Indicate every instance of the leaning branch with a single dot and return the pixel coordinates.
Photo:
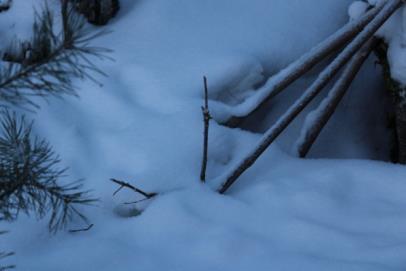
(310, 93)
(319, 117)
(295, 70)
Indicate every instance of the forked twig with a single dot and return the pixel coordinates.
(131, 187)
(324, 77)
(81, 230)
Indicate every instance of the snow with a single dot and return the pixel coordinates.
(394, 33)
(145, 126)
(357, 9)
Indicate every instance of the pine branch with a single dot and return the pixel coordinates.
(48, 64)
(29, 175)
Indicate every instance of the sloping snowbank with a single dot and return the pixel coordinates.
(145, 126)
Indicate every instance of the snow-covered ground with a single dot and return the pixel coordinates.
(145, 126)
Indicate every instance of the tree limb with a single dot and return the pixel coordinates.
(328, 106)
(133, 188)
(390, 7)
(288, 75)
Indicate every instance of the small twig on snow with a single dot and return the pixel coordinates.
(206, 120)
(137, 201)
(131, 187)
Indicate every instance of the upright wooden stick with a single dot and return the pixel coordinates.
(206, 120)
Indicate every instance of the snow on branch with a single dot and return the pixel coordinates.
(29, 179)
(322, 80)
(317, 119)
(287, 76)
(47, 64)
(133, 188)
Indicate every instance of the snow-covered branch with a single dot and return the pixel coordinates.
(322, 80)
(287, 76)
(317, 119)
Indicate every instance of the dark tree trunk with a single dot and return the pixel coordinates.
(98, 12)
(401, 127)
(398, 95)
(5, 5)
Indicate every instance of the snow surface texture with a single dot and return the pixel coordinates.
(145, 126)
(394, 33)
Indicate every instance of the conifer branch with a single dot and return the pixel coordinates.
(29, 175)
(48, 64)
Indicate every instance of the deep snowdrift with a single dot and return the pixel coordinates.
(145, 126)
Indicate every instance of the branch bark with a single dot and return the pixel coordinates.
(287, 76)
(327, 107)
(133, 188)
(390, 7)
(206, 120)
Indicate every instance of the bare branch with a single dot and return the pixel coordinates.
(327, 107)
(310, 93)
(133, 188)
(206, 120)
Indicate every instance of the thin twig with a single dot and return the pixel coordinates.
(133, 188)
(310, 93)
(327, 107)
(137, 201)
(206, 120)
(81, 230)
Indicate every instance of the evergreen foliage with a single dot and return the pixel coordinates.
(46, 65)
(29, 174)
(5, 255)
